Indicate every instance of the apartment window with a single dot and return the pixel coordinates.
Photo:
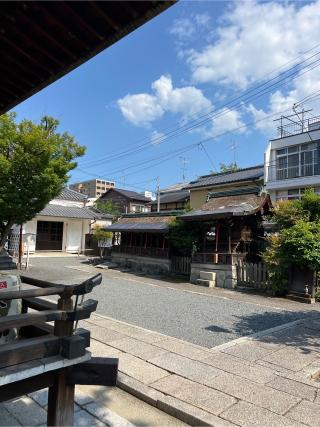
(293, 193)
(298, 161)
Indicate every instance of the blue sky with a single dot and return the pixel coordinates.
(178, 73)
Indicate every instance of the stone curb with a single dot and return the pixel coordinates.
(183, 411)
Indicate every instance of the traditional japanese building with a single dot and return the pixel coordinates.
(140, 241)
(232, 232)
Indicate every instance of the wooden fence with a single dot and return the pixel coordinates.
(181, 265)
(252, 275)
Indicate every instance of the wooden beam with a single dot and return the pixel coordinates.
(18, 320)
(60, 401)
(29, 293)
(29, 349)
(97, 371)
(114, 25)
(81, 21)
(39, 304)
(28, 385)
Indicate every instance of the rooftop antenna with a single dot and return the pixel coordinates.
(184, 162)
(233, 147)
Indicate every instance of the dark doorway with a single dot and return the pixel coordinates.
(49, 236)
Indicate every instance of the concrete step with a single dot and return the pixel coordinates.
(208, 283)
(208, 275)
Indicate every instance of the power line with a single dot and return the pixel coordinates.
(222, 110)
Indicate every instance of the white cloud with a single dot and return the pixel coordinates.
(142, 109)
(280, 102)
(254, 39)
(184, 28)
(227, 120)
(156, 137)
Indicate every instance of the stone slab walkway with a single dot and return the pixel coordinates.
(269, 379)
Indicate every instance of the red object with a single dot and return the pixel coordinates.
(3, 285)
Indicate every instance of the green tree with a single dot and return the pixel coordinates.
(101, 236)
(108, 207)
(229, 167)
(183, 237)
(35, 160)
(297, 238)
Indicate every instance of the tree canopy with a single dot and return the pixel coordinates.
(296, 240)
(35, 160)
(229, 167)
(108, 207)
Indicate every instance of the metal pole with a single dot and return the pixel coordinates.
(158, 195)
(20, 248)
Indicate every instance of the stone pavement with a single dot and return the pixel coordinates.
(269, 379)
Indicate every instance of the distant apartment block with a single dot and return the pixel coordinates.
(292, 161)
(93, 187)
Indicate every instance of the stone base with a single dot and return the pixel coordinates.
(6, 262)
(205, 282)
(139, 264)
(226, 275)
(301, 298)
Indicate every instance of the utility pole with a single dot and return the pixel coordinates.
(158, 194)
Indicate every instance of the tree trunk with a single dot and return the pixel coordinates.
(4, 234)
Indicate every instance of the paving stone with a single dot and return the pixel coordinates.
(278, 370)
(240, 367)
(27, 411)
(100, 349)
(139, 369)
(105, 335)
(7, 419)
(196, 394)
(190, 414)
(83, 418)
(137, 348)
(106, 416)
(294, 388)
(306, 412)
(247, 415)
(291, 358)
(81, 397)
(40, 396)
(138, 389)
(257, 394)
(184, 349)
(249, 351)
(187, 368)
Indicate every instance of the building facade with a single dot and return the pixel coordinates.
(292, 161)
(92, 188)
(127, 201)
(244, 180)
(61, 226)
(172, 200)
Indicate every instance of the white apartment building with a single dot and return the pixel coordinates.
(292, 161)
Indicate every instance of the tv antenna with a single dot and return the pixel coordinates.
(184, 163)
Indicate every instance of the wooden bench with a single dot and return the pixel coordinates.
(51, 355)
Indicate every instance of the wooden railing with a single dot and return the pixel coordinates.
(141, 251)
(217, 257)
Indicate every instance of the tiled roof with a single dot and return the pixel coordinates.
(173, 187)
(69, 212)
(245, 204)
(133, 195)
(154, 223)
(247, 174)
(68, 194)
(173, 196)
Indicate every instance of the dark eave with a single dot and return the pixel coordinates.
(40, 41)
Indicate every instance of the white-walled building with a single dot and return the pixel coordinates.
(292, 161)
(62, 225)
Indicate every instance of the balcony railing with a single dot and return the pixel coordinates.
(297, 127)
(142, 251)
(225, 258)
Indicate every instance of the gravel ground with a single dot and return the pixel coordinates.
(203, 319)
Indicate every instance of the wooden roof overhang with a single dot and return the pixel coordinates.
(40, 41)
(242, 209)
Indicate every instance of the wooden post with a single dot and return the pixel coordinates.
(216, 256)
(61, 394)
(20, 247)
